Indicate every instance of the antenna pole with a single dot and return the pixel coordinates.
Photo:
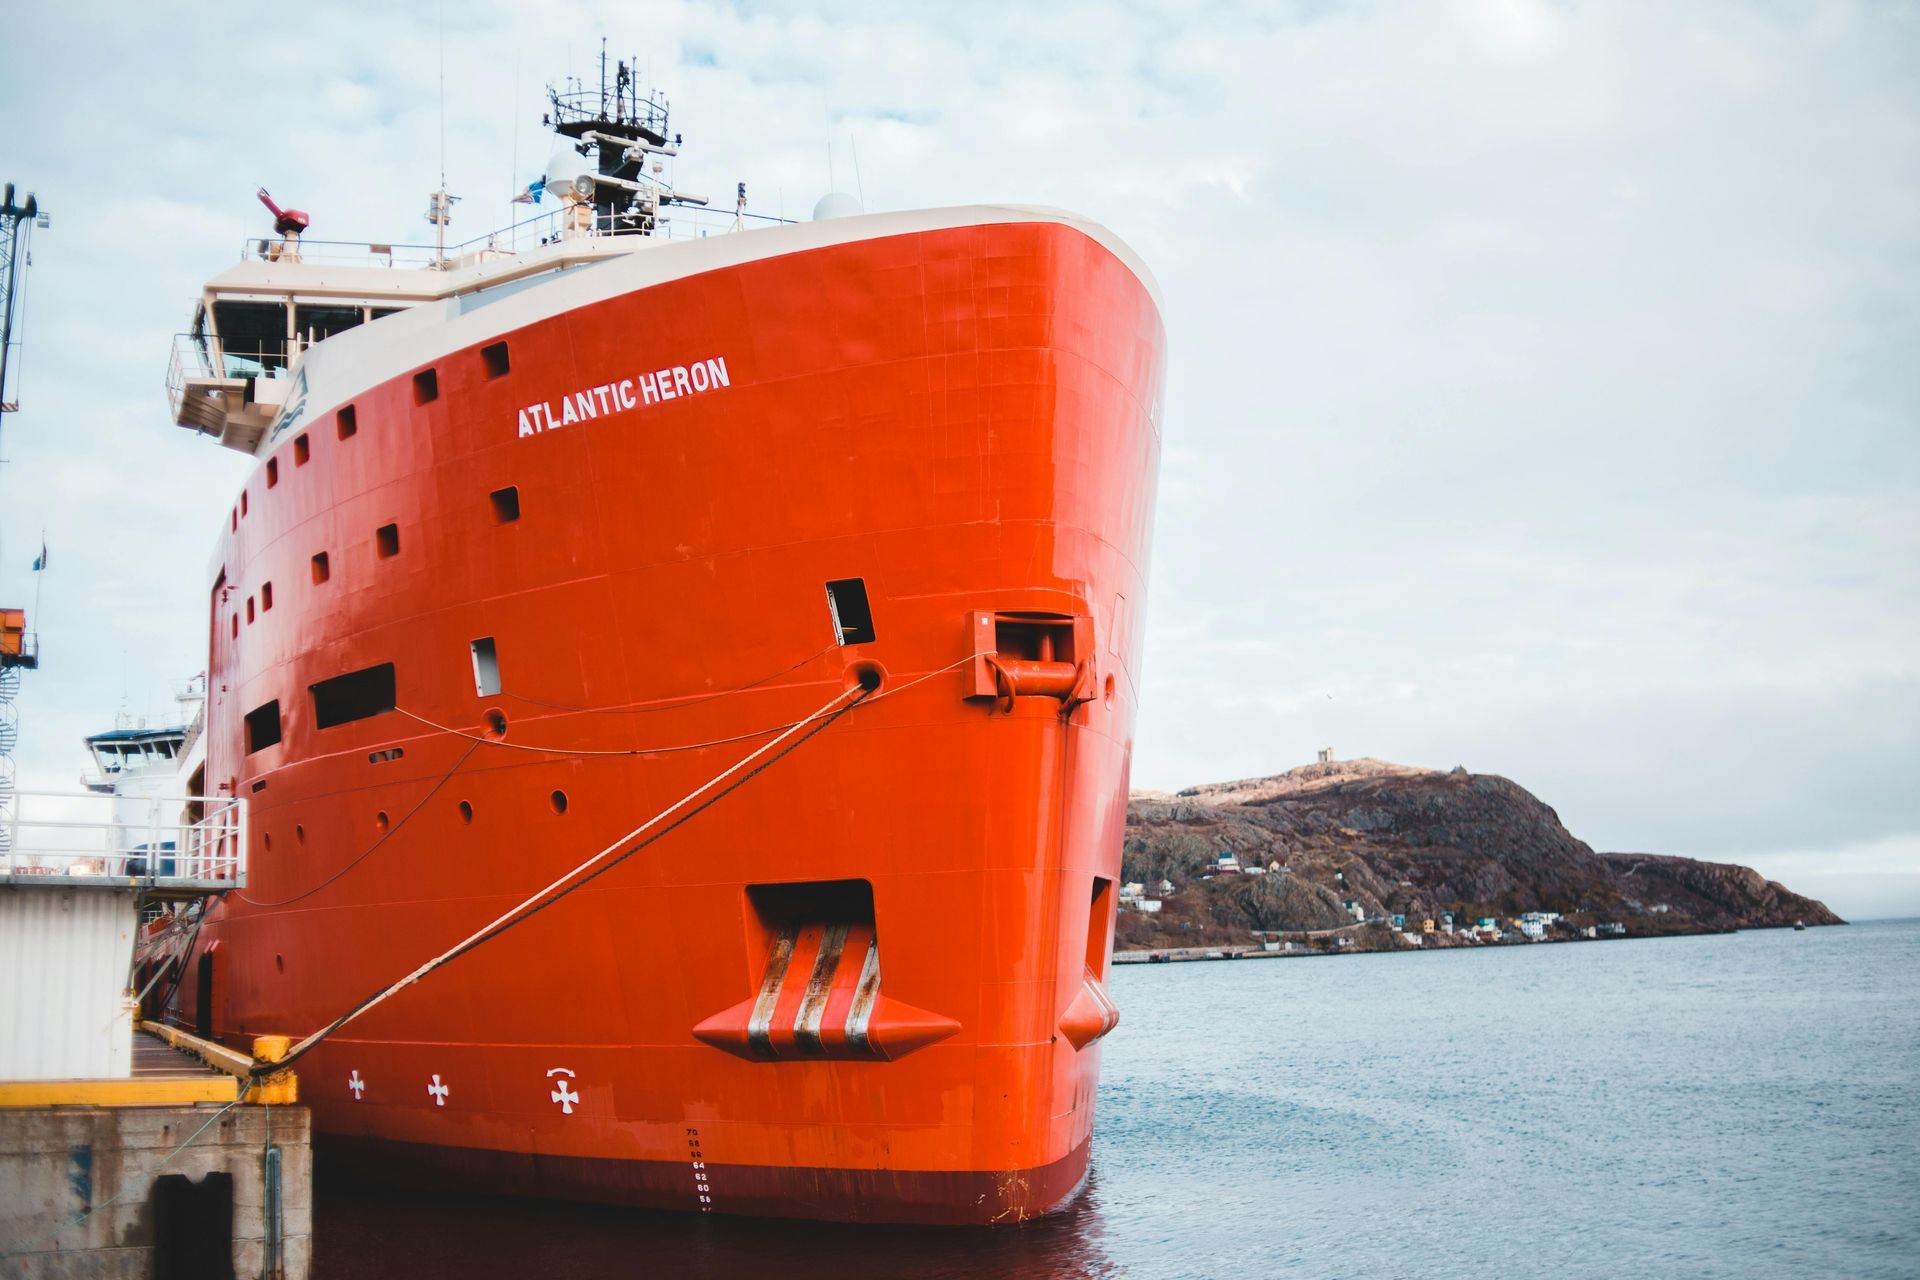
(440, 204)
(16, 227)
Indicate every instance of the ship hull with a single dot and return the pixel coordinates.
(938, 1197)
(869, 984)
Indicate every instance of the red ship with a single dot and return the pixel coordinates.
(540, 543)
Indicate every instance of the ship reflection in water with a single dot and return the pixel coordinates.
(368, 1233)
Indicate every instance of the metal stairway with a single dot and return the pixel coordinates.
(9, 738)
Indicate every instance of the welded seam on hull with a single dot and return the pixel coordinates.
(760, 1025)
(860, 1015)
(813, 1006)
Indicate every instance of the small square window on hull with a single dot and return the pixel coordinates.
(486, 667)
(847, 608)
(263, 726)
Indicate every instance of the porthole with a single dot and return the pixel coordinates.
(559, 801)
(380, 822)
(466, 811)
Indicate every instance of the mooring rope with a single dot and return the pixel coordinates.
(748, 736)
(366, 853)
(599, 864)
(672, 704)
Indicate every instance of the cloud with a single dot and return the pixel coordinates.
(1541, 375)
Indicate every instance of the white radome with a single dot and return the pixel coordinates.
(836, 204)
(564, 169)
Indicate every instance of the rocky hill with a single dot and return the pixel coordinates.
(1390, 839)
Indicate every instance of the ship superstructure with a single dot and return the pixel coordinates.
(542, 542)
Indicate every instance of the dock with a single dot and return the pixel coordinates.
(1179, 955)
(129, 1148)
(181, 1168)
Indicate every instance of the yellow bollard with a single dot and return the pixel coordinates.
(282, 1088)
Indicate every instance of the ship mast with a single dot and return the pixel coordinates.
(625, 136)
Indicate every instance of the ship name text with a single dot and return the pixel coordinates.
(610, 398)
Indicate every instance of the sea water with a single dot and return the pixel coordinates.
(1739, 1105)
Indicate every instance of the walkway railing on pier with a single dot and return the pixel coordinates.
(165, 844)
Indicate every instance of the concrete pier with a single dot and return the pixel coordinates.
(59, 1164)
(160, 1173)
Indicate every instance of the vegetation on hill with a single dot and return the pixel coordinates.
(1394, 840)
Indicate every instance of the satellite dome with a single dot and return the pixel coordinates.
(836, 204)
(564, 169)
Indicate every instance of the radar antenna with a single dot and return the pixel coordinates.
(619, 130)
(288, 223)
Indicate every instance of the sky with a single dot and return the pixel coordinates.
(1543, 393)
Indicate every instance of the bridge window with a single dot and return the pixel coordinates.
(354, 696)
(253, 337)
(314, 324)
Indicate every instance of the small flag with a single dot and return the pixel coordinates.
(41, 562)
(530, 196)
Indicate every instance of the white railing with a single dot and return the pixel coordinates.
(156, 842)
(676, 222)
(189, 360)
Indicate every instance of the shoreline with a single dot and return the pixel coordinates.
(1302, 950)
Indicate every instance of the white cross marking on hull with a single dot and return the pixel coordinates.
(566, 1098)
(439, 1091)
(355, 1083)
